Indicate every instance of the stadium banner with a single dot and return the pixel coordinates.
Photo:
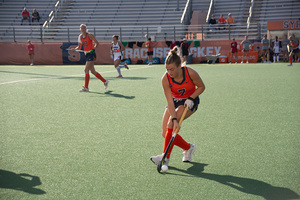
(56, 53)
(283, 25)
(17, 54)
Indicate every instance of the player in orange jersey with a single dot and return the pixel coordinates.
(182, 86)
(149, 45)
(294, 50)
(89, 44)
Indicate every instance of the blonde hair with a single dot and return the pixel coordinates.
(173, 57)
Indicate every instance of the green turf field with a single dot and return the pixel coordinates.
(57, 143)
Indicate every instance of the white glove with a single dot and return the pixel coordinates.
(189, 103)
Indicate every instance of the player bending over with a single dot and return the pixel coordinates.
(182, 86)
(89, 44)
(117, 50)
(294, 50)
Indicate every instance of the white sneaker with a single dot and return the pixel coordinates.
(290, 64)
(242, 62)
(156, 159)
(84, 90)
(106, 84)
(247, 62)
(229, 62)
(187, 155)
(235, 62)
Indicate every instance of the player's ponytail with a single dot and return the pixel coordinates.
(173, 57)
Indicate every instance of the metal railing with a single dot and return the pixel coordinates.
(52, 15)
(250, 14)
(210, 10)
(131, 33)
(187, 13)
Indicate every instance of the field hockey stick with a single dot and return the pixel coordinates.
(171, 141)
(78, 50)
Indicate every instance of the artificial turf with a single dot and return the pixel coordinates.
(57, 143)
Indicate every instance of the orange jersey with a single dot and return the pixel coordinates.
(294, 45)
(184, 89)
(149, 45)
(86, 42)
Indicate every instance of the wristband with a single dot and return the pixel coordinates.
(190, 98)
(174, 119)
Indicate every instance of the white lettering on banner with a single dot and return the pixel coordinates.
(163, 52)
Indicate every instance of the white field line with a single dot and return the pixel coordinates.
(58, 77)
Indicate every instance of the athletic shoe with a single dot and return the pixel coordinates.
(84, 90)
(235, 62)
(290, 64)
(242, 62)
(126, 66)
(247, 62)
(106, 84)
(229, 62)
(156, 159)
(187, 155)
(120, 76)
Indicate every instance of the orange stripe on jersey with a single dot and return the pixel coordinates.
(294, 45)
(184, 89)
(86, 42)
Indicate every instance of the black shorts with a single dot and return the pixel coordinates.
(295, 50)
(150, 53)
(185, 53)
(179, 102)
(90, 56)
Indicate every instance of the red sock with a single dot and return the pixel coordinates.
(291, 60)
(179, 141)
(86, 80)
(100, 77)
(167, 140)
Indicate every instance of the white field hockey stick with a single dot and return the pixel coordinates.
(78, 50)
(171, 141)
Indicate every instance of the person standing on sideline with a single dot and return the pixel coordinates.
(233, 50)
(89, 44)
(149, 45)
(276, 50)
(30, 48)
(184, 46)
(117, 49)
(246, 44)
(265, 48)
(25, 16)
(284, 49)
(182, 86)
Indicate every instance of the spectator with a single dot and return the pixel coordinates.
(222, 22)
(285, 41)
(35, 16)
(30, 49)
(234, 50)
(184, 46)
(246, 44)
(25, 16)
(265, 48)
(230, 19)
(212, 23)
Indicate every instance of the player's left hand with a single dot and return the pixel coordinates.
(189, 103)
(92, 51)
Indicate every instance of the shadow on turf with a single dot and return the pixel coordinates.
(114, 95)
(246, 185)
(23, 182)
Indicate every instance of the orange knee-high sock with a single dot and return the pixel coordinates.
(100, 77)
(291, 60)
(86, 80)
(167, 140)
(179, 141)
